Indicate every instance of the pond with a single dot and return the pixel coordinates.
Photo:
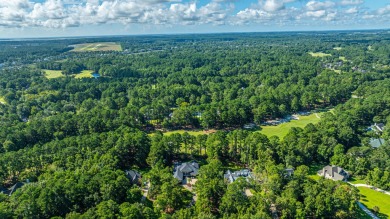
(96, 75)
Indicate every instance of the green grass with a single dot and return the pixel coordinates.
(282, 129)
(100, 46)
(85, 74)
(195, 133)
(338, 48)
(342, 58)
(313, 169)
(356, 181)
(319, 54)
(337, 71)
(371, 198)
(50, 74)
(2, 100)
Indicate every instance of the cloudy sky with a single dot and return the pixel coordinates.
(39, 18)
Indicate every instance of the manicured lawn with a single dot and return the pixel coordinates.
(85, 74)
(356, 181)
(313, 169)
(93, 47)
(50, 74)
(282, 129)
(371, 198)
(2, 101)
(319, 54)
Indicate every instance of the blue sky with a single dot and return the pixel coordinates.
(44, 18)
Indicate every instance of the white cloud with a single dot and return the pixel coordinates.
(384, 10)
(317, 5)
(351, 2)
(316, 14)
(353, 10)
(70, 13)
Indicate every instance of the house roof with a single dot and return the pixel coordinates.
(376, 142)
(233, 176)
(12, 189)
(185, 169)
(335, 172)
(133, 175)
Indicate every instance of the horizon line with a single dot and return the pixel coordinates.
(194, 33)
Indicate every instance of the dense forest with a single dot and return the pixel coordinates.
(71, 140)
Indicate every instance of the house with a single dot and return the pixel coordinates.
(183, 170)
(289, 172)
(379, 126)
(233, 176)
(334, 172)
(376, 142)
(13, 189)
(133, 176)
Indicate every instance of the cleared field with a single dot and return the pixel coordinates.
(195, 133)
(2, 101)
(85, 74)
(319, 54)
(338, 48)
(93, 47)
(50, 74)
(282, 129)
(371, 198)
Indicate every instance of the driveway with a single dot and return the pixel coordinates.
(367, 211)
(371, 187)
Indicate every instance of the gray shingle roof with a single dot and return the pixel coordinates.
(133, 176)
(376, 142)
(180, 171)
(233, 176)
(333, 172)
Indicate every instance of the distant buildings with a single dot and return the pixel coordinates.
(334, 172)
(182, 171)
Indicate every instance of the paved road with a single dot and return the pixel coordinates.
(367, 211)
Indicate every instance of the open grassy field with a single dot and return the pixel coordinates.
(282, 129)
(195, 133)
(319, 54)
(371, 198)
(50, 74)
(2, 101)
(85, 74)
(93, 47)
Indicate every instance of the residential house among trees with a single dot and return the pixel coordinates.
(182, 171)
(233, 176)
(133, 176)
(334, 172)
(376, 142)
(13, 189)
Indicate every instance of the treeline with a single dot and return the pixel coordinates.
(73, 139)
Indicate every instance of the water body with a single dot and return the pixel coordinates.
(96, 75)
